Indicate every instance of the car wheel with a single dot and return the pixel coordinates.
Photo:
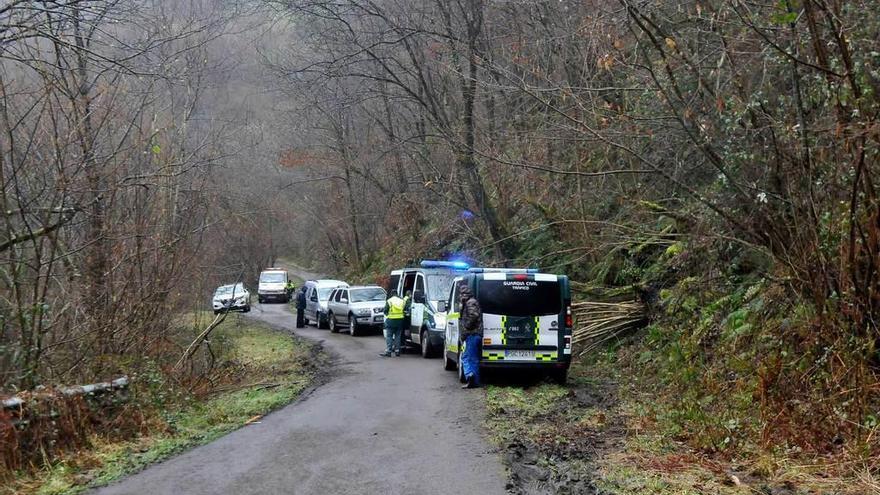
(425, 342)
(334, 325)
(247, 309)
(216, 311)
(352, 326)
(322, 321)
(260, 300)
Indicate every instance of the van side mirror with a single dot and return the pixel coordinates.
(344, 300)
(419, 297)
(441, 306)
(314, 297)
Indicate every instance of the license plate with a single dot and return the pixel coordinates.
(378, 319)
(519, 354)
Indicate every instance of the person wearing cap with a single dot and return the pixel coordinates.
(471, 324)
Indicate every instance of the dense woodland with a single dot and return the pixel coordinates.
(717, 158)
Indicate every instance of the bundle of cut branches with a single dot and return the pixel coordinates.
(601, 322)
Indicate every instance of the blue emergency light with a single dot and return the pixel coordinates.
(455, 265)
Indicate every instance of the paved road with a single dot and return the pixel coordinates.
(381, 425)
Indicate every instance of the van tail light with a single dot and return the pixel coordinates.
(569, 321)
(568, 341)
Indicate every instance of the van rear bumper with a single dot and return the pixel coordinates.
(537, 365)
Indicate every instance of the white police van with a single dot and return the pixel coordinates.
(429, 283)
(527, 320)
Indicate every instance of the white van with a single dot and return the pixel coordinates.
(317, 297)
(527, 320)
(273, 285)
(429, 283)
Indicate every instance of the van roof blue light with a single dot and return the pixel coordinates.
(455, 265)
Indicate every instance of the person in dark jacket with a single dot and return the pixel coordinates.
(301, 307)
(471, 324)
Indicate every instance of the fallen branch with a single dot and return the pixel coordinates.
(91, 389)
(201, 338)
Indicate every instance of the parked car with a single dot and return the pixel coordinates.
(317, 296)
(233, 297)
(273, 285)
(357, 307)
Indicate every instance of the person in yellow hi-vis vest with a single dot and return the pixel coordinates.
(394, 315)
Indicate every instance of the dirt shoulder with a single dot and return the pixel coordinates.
(594, 436)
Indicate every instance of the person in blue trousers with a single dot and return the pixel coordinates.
(471, 324)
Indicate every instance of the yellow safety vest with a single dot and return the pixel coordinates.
(395, 308)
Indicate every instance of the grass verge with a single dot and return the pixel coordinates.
(263, 369)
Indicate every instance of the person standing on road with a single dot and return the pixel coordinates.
(393, 325)
(301, 307)
(289, 287)
(471, 324)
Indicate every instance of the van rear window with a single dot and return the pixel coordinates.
(520, 297)
(272, 277)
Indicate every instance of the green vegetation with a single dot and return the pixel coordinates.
(264, 369)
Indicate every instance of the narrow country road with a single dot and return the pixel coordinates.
(381, 425)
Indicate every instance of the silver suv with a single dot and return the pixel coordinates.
(357, 307)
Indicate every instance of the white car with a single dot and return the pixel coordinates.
(233, 297)
(357, 308)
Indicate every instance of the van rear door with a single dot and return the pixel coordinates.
(522, 316)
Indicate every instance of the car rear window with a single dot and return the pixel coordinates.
(371, 294)
(520, 297)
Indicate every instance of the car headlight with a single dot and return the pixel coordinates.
(363, 312)
(378, 310)
(241, 299)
